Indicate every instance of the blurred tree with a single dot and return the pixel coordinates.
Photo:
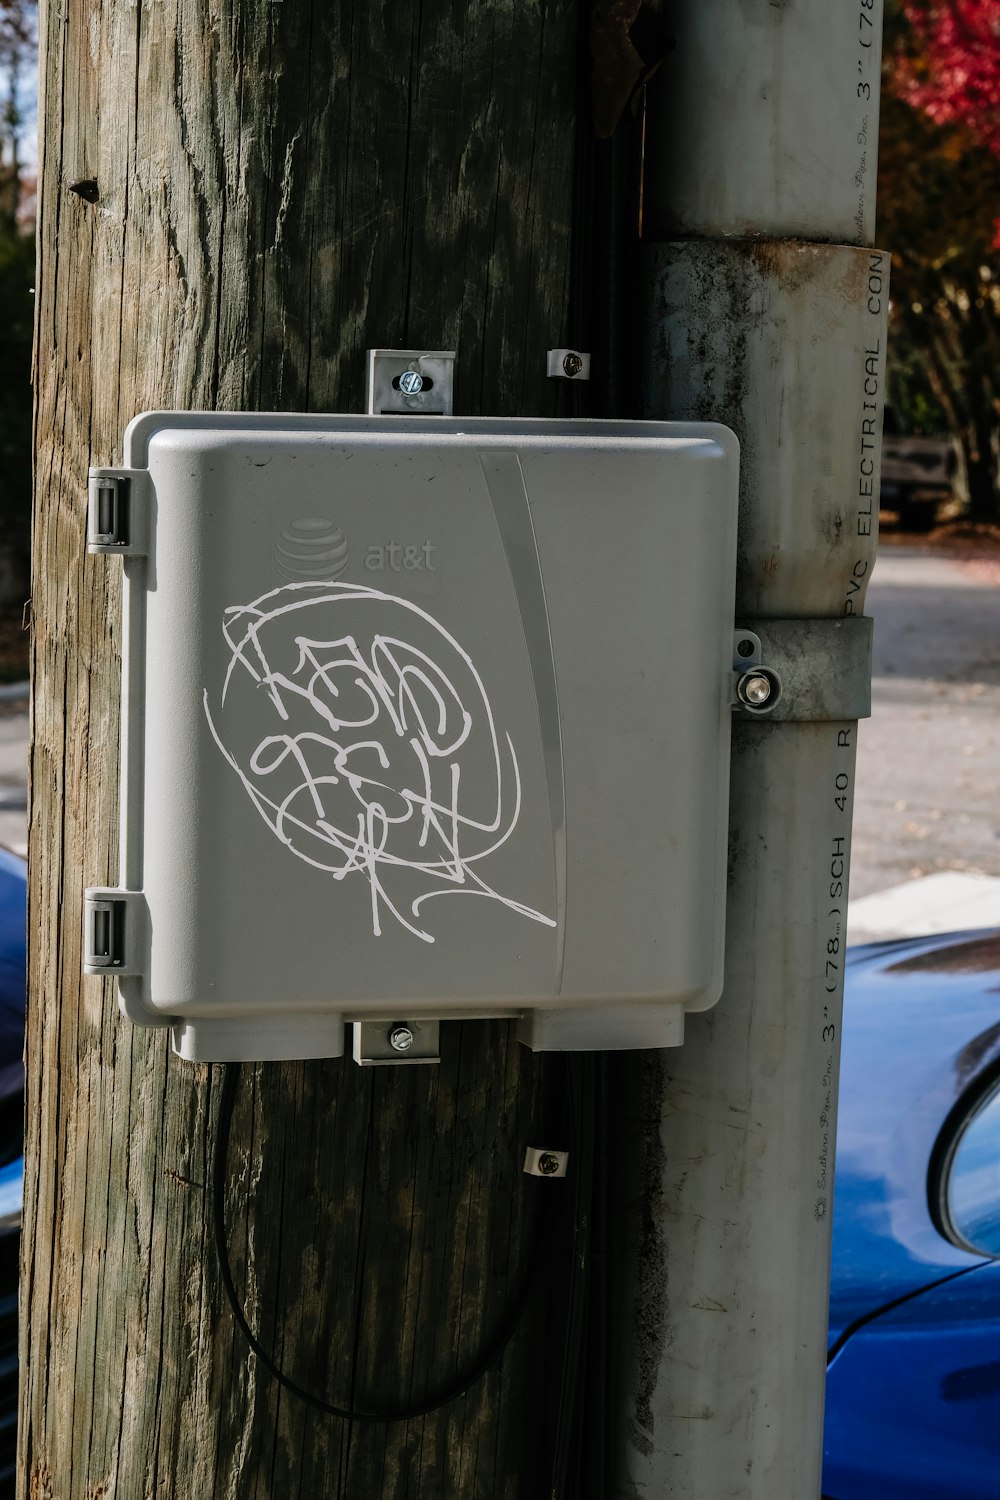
(18, 62)
(953, 71)
(939, 193)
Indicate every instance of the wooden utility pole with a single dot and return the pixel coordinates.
(237, 199)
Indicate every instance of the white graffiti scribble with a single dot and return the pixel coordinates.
(381, 754)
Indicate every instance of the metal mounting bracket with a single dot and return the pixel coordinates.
(386, 1044)
(824, 668)
(410, 382)
(541, 1162)
(756, 685)
(567, 364)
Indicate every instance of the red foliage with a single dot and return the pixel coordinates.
(953, 72)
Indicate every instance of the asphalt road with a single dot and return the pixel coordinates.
(926, 797)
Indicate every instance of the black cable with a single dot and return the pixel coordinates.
(598, 1485)
(579, 309)
(443, 1397)
(567, 1436)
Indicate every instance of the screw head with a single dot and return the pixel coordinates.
(401, 1038)
(755, 689)
(548, 1163)
(411, 383)
(572, 364)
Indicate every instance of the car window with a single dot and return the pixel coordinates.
(971, 1186)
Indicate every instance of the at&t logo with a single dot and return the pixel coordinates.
(396, 557)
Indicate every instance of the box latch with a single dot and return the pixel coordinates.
(110, 929)
(117, 512)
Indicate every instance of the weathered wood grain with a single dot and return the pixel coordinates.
(280, 186)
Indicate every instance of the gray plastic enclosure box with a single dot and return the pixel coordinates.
(423, 718)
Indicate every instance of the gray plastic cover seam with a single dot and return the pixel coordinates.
(825, 667)
(512, 512)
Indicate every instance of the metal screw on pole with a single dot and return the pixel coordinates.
(401, 1038)
(572, 364)
(548, 1163)
(754, 689)
(411, 384)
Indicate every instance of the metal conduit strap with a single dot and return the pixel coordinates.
(825, 667)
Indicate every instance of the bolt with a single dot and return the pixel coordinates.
(411, 384)
(745, 648)
(401, 1038)
(572, 364)
(755, 689)
(548, 1163)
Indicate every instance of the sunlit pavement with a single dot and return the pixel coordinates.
(13, 767)
(926, 855)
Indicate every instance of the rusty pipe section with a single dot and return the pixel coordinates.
(722, 1377)
(785, 341)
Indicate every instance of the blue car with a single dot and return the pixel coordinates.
(913, 1384)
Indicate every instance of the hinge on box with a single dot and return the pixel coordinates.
(109, 923)
(117, 512)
